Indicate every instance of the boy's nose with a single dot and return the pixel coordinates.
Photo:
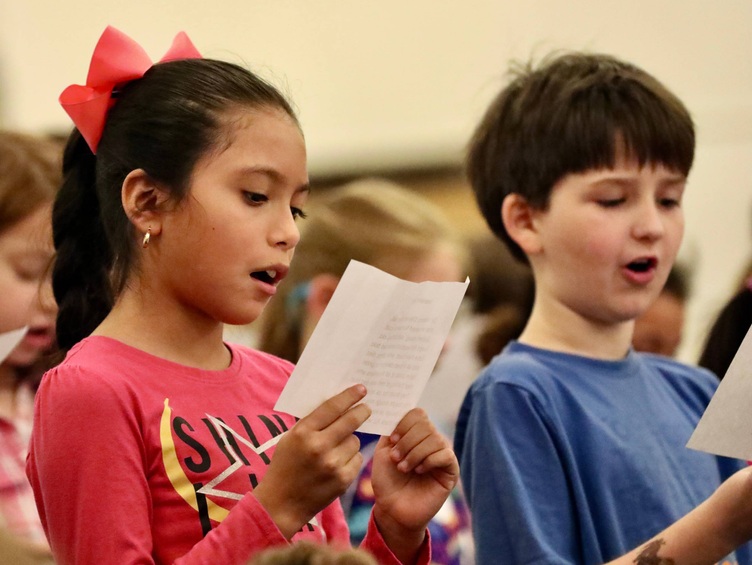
(648, 222)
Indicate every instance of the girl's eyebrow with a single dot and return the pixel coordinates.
(273, 174)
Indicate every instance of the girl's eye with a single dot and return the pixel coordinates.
(298, 213)
(255, 198)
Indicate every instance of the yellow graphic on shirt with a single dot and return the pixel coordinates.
(175, 473)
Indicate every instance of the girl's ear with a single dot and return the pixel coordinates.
(519, 220)
(320, 293)
(143, 201)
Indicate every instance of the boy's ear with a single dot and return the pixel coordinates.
(320, 293)
(518, 217)
(143, 201)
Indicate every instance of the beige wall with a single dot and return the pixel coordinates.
(399, 84)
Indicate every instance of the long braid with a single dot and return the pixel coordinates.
(80, 276)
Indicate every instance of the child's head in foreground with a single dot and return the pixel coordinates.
(304, 553)
(579, 166)
(181, 123)
(570, 114)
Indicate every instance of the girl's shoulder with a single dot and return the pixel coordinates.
(101, 367)
(93, 364)
(259, 359)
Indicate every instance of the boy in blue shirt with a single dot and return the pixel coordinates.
(572, 445)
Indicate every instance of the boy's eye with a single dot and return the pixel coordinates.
(669, 202)
(611, 202)
(298, 213)
(255, 197)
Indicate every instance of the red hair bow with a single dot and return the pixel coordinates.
(117, 59)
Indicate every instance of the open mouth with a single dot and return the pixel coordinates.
(642, 265)
(268, 277)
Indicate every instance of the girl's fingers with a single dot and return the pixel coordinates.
(408, 421)
(408, 457)
(347, 423)
(407, 442)
(333, 408)
(348, 449)
(443, 461)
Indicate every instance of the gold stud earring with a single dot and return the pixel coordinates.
(147, 238)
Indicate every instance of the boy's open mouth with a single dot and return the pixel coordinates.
(642, 265)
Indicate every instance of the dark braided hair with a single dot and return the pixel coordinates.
(161, 123)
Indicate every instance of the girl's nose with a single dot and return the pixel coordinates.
(286, 233)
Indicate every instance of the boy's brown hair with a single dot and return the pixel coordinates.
(572, 113)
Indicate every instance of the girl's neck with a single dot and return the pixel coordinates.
(167, 331)
(554, 327)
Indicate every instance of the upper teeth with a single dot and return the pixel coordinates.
(272, 274)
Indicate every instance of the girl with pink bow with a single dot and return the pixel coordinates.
(154, 441)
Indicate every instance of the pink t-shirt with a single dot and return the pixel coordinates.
(136, 459)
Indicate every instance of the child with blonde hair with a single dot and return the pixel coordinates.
(29, 178)
(383, 224)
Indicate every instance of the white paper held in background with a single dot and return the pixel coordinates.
(380, 331)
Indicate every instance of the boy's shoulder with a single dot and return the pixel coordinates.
(681, 375)
(527, 367)
(542, 371)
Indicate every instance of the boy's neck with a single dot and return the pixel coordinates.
(559, 329)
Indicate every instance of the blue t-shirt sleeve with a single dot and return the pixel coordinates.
(514, 480)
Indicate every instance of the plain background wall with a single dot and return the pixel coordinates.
(400, 84)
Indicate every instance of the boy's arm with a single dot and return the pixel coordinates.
(707, 534)
(510, 469)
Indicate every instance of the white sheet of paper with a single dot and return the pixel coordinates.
(380, 331)
(726, 426)
(9, 340)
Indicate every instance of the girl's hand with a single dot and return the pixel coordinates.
(314, 462)
(414, 470)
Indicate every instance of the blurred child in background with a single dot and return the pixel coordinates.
(382, 224)
(727, 332)
(659, 329)
(29, 178)
(499, 297)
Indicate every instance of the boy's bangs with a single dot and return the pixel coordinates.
(642, 128)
